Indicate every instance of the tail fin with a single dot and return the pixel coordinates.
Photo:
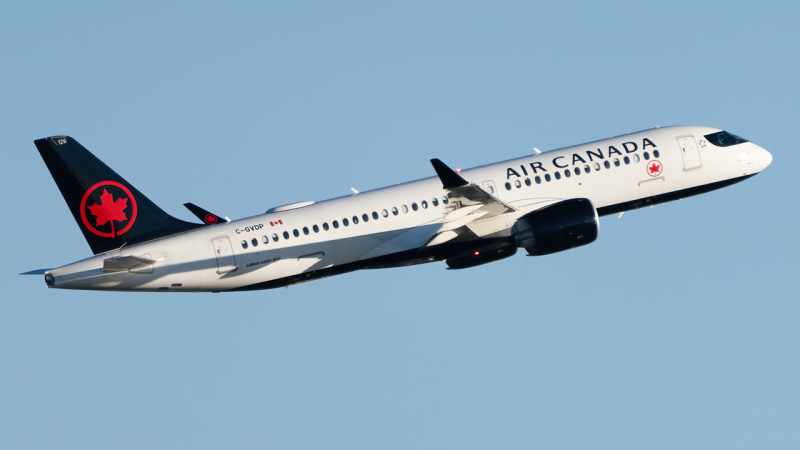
(110, 211)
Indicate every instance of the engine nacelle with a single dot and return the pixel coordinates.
(558, 227)
(481, 256)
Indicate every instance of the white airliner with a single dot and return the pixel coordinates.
(545, 203)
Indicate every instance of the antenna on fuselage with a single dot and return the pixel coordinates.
(538, 152)
(354, 191)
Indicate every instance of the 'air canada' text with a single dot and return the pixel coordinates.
(562, 162)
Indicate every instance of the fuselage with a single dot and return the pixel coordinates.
(396, 225)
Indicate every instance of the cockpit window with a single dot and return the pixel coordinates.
(724, 139)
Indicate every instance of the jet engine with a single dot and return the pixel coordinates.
(484, 255)
(557, 227)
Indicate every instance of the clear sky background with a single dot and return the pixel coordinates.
(678, 328)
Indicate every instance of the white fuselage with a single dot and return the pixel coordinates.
(256, 251)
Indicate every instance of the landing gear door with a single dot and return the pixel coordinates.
(226, 261)
(690, 153)
(489, 187)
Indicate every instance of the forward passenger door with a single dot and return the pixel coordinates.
(690, 153)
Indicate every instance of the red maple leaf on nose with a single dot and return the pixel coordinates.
(108, 209)
(654, 168)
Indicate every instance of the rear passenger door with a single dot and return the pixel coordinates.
(226, 261)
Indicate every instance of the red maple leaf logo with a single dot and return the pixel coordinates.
(109, 210)
(654, 168)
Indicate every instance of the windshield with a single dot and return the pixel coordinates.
(724, 139)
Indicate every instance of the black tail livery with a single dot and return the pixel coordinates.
(110, 211)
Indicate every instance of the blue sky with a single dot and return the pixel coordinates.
(676, 329)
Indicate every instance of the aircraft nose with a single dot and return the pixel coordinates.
(763, 158)
(754, 157)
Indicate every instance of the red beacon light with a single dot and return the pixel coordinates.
(458, 170)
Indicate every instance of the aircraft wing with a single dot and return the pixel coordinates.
(468, 203)
(208, 218)
(465, 194)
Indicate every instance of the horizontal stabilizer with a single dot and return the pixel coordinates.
(208, 218)
(36, 272)
(128, 263)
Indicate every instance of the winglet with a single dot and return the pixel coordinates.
(208, 218)
(450, 179)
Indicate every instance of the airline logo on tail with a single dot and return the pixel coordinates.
(108, 209)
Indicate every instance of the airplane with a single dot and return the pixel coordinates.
(547, 202)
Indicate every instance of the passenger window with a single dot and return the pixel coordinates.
(325, 226)
(607, 164)
(656, 154)
(491, 189)
(296, 233)
(365, 218)
(275, 237)
(305, 231)
(375, 215)
(244, 244)
(596, 166)
(508, 186)
(566, 173)
(558, 175)
(286, 235)
(445, 200)
(517, 183)
(355, 220)
(335, 224)
(527, 181)
(547, 177)
(254, 241)
(404, 208)
(627, 160)
(385, 213)
(424, 204)
(414, 206)
(345, 222)
(265, 239)
(646, 155)
(315, 228)
(635, 158)
(587, 169)
(577, 171)
(435, 201)
(394, 210)
(616, 162)
(538, 179)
